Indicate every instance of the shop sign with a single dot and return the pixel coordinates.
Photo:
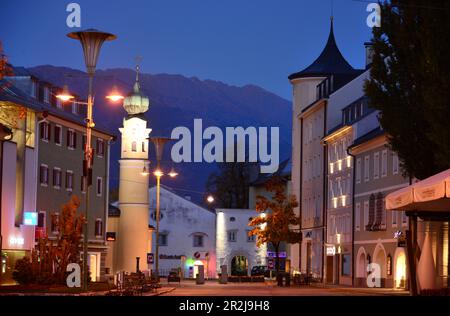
(331, 250)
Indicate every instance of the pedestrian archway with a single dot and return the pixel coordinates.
(379, 257)
(239, 265)
(400, 268)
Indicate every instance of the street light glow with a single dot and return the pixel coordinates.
(210, 199)
(173, 173)
(65, 94)
(158, 173)
(115, 95)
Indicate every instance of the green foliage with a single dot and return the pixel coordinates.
(49, 258)
(410, 82)
(277, 219)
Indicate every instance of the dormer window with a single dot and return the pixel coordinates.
(75, 108)
(34, 88)
(46, 94)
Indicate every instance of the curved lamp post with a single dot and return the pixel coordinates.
(91, 41)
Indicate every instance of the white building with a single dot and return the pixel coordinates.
(234, 248)
(186, 234)
(311, 89)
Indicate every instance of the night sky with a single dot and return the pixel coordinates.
(235, 41)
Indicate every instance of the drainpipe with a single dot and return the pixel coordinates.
(353, 214)
(21, 136)
(325, 191)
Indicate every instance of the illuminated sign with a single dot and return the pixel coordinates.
(30, 218)
(272, 254)
(331, 250)
(16, 241)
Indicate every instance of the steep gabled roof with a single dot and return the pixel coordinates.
(329, 62)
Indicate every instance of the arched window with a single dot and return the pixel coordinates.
(143, 147)
(133, 147)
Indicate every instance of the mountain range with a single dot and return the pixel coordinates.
(176, 100)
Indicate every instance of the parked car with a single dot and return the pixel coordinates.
(259, 270)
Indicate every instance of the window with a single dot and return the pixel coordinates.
(394, 219)
(346, 264)
(366, 168)
(366, 213)
(69, 180)
(143, 147)
(133, 146)
(357, 216)
(99, 186)
(75, 108)
(389, 265)
(198, 240)
(384, 163)
(57, 177)
(232, 219)
(43, 175)
(404, 219)
(250, 238)
(59, 103)
(55, 223)
(163, 239)
(98, 227)
(376, 165)
(45, 131)
(100, 147)
(71, 139)
(33, 88)
(41, 220)
(83, 184)
(232, 236)
(46, 95)
(395, 163)
(58, 135)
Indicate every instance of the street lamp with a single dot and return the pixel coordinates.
(159, 143)
(91, 41)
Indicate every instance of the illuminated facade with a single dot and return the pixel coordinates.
(234, 248)
(187, 237)
(311, 89)
(133, 233)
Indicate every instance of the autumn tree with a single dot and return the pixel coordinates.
(276, 219)
(410, 82)
(49, 259)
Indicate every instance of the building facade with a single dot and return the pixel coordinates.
(311, 89)
(187, 235)
(377, 233)
(234, 247)
(54, 136)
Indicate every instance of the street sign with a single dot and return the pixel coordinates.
(30, 218)
(150, 258)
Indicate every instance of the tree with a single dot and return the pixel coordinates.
(274, 224)
(5, 68)
(230, 184)
(49, 259)
(410, 83)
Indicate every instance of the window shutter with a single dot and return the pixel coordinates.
(68, 138)
(49, 129)
(74, 139)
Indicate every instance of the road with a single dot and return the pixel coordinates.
(213, 288)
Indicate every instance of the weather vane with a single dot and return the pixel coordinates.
(138, 60)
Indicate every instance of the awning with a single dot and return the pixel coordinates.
(431, 194)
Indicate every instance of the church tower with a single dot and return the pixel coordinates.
(133, 238)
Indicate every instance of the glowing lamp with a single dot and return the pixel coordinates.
(115, 95)
(173, 173)
(210, 199)
(158, 173)
(65, 95)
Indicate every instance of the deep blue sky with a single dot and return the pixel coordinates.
(235, 41)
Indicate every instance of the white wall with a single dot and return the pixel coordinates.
(181, 218)
(226, 250)
(343, 97)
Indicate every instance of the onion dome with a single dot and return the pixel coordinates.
(136, 102)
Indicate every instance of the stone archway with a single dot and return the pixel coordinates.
(239, 266)
(400, 268)
(361, 268)
(379, 257)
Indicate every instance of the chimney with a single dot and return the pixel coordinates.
(369, 53)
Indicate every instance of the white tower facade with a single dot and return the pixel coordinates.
(133, 236)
